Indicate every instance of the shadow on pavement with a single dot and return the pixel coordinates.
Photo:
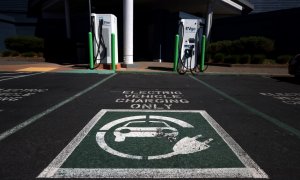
(288, 79)
(80, 66)
(160, 68)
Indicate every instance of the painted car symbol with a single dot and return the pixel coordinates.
(136, 129)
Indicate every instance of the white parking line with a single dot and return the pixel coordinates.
(6, 77)
(49, 110)
(13, 73)
(255, 111)
(16, 77)
(155, 173)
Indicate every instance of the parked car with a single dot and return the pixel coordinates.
(294, 66)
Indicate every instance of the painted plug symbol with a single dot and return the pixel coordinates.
(188, 145)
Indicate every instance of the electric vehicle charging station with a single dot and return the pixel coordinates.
(103, 25)
(190, 34)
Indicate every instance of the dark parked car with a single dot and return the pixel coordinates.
(294, 66)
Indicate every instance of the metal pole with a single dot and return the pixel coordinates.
(67, 19)
(176, 53)
(128, 30)
(209, 18)
(159, 53)
(91, 51)
(90, 12)
(203, 52)
(113, 49)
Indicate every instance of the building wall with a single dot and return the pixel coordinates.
(6, 29)
(14, 5)
(281, 26)
(14, 20)
(273, 5)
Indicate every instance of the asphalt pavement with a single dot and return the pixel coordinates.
(74, 125)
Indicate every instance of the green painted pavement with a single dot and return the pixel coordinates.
(152, 143)
(89, 155)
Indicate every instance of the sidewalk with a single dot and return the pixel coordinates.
(30, 65)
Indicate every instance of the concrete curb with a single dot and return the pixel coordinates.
(250, 65)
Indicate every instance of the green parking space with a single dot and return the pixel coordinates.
(157, 144)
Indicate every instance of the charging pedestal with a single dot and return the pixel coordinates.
(190, 34)
(103, 25)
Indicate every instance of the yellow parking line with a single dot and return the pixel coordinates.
(37, 69)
